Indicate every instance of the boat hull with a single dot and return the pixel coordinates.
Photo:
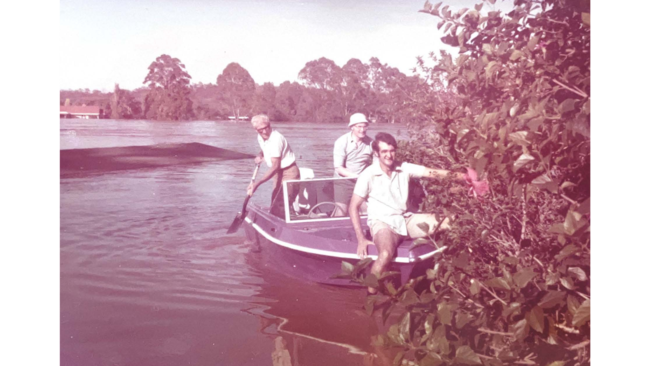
(314, 251)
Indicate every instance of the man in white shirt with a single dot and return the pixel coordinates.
(385, 186)
(352, 154)
(352, 151)
(279, 157)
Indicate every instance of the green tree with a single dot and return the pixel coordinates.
(237, 88)
(354, 87)
(264, 100)
(323, 80)
(287, 99)
(169, 90)
(513, 285)
(123, 105)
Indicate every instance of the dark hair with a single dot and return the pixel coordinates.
(385, 138)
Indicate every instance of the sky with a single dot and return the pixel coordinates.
(103, 42)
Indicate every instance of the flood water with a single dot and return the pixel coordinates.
(149, 276)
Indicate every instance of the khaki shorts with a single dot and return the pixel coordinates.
(412, 225)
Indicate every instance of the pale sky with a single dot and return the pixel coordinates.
(103, 42)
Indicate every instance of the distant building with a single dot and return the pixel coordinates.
(83, 111)
(242, 118)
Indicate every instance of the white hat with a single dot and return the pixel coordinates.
(357, 118)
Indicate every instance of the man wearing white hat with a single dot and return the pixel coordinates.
(353, 151)
(352, 154)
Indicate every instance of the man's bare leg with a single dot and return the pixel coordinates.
(386, 241)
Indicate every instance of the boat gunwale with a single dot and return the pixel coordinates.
(328, 253)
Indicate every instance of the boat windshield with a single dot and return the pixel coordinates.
(318, 199)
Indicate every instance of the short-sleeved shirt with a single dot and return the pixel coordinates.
(276, 147)
(386, 195)
(351, 155)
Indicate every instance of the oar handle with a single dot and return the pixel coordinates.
(257, 167)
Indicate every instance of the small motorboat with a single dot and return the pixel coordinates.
(316, 234)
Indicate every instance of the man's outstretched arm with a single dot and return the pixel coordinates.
(480, 188)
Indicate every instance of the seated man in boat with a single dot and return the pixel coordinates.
(279, 157)
(352, 151)
(385, 186)
(352, 154)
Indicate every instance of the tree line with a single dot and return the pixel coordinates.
(325, 92)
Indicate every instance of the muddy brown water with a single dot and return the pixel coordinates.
(148, 274)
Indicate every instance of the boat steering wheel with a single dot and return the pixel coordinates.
(311, 212)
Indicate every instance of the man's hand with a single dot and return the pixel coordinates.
(362, 247)
(259, 159)
(479, 187)
(251, 188)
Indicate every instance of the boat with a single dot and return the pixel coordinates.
(316, 234)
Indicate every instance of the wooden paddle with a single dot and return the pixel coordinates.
(242, 215)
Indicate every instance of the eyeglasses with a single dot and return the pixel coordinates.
(263, 128)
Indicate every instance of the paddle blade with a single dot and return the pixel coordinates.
(236, 223)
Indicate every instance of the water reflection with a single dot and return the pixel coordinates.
(314, 324)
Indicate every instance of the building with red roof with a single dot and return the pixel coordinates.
(80, 111)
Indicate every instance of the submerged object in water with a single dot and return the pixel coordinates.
(75, 161)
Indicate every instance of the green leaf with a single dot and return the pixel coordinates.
(405, 327)
(371, 281)
(409, 297)
(552, 298)
(557, 363)
(534, 123)
(573, 222)
(428, 324)
(431, 359)
(567, 106)
(567, 251)
(535, 319)
(578, 273)
(545, 182)
(586, 18)
(370, 304)
(532, 43)
(490, 68)
(586, 107)
(462, 318)
(498, 282)
(397, 361)
(520, 329)
(523, 160)
(524, 276)
(567, 282)
(423, 226)
(572, 304)
(467, 356)
(516, 54)
(444, 313)
(478, 7)
(585, 207)
(474, 287)
(583, 313)
(427, 297)
(567, 184)
(487, 48)
(519, 137)
(461, 261)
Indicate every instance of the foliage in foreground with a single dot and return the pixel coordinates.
(513, 285)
